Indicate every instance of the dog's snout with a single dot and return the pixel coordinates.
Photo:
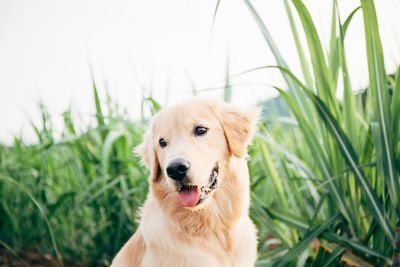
(177, 169)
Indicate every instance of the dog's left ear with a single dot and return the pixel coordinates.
(239, 127)
(147, 153)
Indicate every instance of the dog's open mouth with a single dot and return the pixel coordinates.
(190, 195)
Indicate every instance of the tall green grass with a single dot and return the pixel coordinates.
(334, 173)
(76, 196)
(325, 179)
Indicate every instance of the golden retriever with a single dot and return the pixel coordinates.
(197, 210)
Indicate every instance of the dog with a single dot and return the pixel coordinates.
(197, 210)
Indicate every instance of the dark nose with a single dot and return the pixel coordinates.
(177, 169)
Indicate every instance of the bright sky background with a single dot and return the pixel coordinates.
(161, 46)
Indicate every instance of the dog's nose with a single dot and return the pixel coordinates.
(177, 169)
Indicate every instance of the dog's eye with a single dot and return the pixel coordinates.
(162, 142)
(198, 131)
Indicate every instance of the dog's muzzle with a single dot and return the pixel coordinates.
(190, 195)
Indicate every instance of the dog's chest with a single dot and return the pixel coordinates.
(185, 256)
(164, 248)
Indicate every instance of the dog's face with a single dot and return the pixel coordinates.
(186, 147)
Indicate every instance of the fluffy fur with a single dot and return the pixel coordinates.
(217, 232)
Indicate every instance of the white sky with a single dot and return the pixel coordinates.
(163, 46)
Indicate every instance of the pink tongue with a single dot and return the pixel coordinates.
(190, 197)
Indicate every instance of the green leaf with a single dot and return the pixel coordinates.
(395, 106)
(227, 87)
(300, 51)
(323, 78)
(333, 256)
(106, 152)
(380, 97)
(99, 112)
(349, 102)
(272, 173)
(214, 18)
(154, 105)
(313, 233)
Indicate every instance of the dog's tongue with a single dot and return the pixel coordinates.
(189, 197)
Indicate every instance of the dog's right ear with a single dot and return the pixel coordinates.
(147, 153)
(239, 127)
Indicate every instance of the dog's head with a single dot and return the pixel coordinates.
(187, 148)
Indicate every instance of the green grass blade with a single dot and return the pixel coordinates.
(360, 248)
(334, 255)
(395, 106)
(112, 137)
(396, 249)
(334, 52)
(99, 111)
(228, 86)
(333, 58)
(323, 78)
(348, 20)
(272, 173)
(300, 51)
(214, 17)
(154, 105)
(305, 242)
(278, 215)
(380, 96)
(349, 101)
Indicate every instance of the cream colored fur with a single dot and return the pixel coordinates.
(217, 232)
